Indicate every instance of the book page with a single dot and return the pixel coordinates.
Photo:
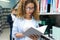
(37, 31)
(42, 29)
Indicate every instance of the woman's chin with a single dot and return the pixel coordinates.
(29, 14)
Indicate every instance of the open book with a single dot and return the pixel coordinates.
(37, 31)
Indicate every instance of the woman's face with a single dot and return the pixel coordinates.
(29, 9)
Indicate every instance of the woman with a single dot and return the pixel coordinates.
(10, 19)
(27, 17)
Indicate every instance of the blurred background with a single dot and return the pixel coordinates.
(50, 20)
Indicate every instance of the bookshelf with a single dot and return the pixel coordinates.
(0, 19)
(50, 7)
(4, 13)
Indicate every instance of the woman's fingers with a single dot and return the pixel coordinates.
(31, 36)
(34, 36)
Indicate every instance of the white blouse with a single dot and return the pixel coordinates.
(21, 25)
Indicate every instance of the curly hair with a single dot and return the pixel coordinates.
(21, 9)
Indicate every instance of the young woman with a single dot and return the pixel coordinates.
(27, 17)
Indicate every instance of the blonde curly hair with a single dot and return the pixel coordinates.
(21, 8)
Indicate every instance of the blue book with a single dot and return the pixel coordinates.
(48, 1)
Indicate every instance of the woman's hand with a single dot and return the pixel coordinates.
(34, 37)
(19, 35)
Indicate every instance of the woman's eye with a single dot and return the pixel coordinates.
(30, 8)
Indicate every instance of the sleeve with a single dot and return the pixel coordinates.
(15, 28)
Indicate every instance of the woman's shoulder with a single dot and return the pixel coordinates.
(35, 20)
(17, 22)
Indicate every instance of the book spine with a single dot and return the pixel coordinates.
(51, 7)
(57, 3)
(59, 6)
(54, 6)
(48, 5)
(43, 6)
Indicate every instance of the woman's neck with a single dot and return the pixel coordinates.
(28, 17)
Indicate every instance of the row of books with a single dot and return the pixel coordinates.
(3, 17)
(49, 5)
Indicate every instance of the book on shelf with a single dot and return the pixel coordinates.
(55, 6)
(43, 6)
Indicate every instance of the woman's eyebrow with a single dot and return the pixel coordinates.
(30, 7)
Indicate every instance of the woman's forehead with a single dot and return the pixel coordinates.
(30, 5)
